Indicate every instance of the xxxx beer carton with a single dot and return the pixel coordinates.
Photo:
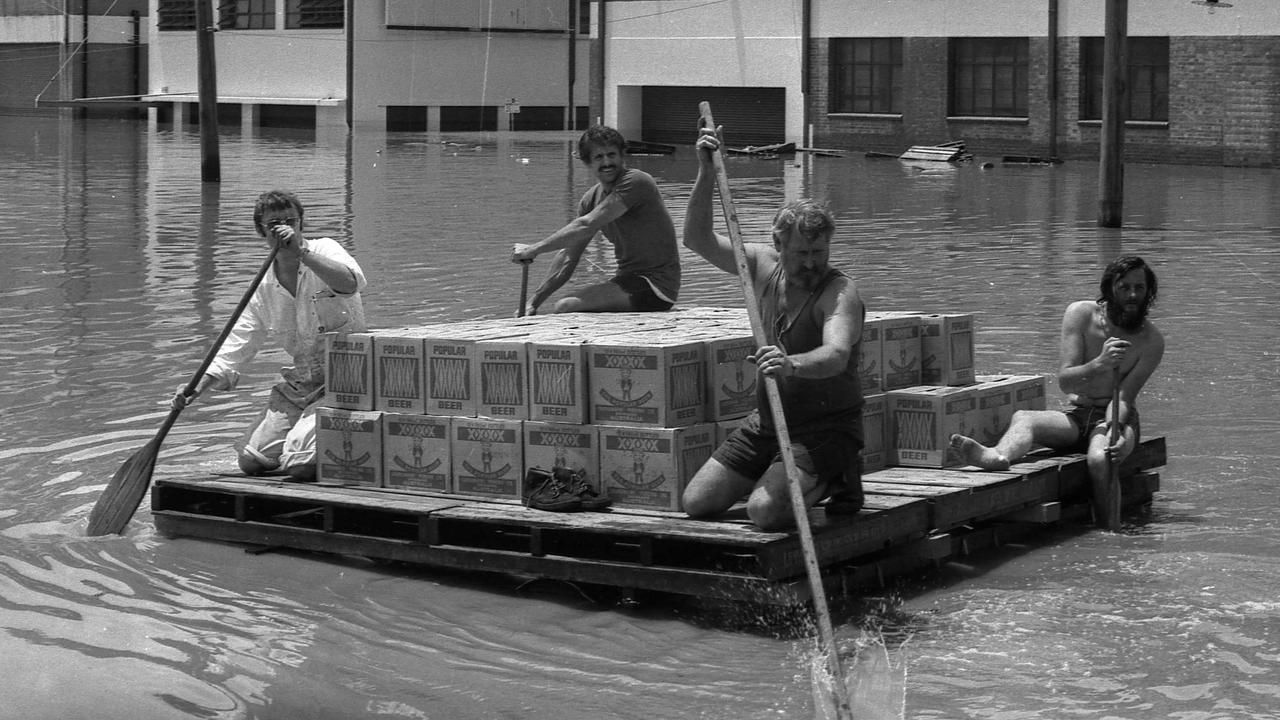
(875, 432)
(946, 349)
(558, 380)
(348, 366)
(1028, 390)
(450, 363)
(500, 379)
(923, 420)
(649, 467)
(488, 457)
(399, 369)
(899, 350)
(348, 446)
(416, 452)
(995, 400)
(646, 379)
(870, 368)
(550, 445)
(731, 377)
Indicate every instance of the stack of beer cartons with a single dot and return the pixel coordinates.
(922, 416)
(467, 408)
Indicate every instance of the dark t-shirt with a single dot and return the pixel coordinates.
(644, 237)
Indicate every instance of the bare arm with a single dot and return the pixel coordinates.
(1077, 374)
(577, 233)
(699, 220)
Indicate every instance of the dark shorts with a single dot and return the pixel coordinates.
(1086, 417)
(643, 296)
(833, 454)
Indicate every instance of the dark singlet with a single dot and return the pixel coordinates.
(808, 404)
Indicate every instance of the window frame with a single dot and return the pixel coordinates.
(175, 15)
(989, 77)
(865, 76)
(315, 14)
(247, 14)
(1148, 96)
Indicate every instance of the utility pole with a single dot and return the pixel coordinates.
(210, 164)
(1115, 79)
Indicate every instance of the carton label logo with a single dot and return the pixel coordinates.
(416, 467)
(686, 386)
(638, 444)
(486, 435)
(625, 384)
(398, 377)
(348, 373)
(560, 439)
(501, 384)
(450, 378)
(416, 430)
(554, 383)
(613, 361)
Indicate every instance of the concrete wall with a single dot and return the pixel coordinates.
(736, 43)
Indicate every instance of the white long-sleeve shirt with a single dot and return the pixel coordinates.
(299, 323)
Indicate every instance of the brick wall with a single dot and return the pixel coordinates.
(1224, 106)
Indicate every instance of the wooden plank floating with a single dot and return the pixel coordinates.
(913, 518)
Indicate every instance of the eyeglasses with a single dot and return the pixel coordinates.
(291, 221)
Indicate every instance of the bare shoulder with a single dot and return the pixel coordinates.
(1080, 312)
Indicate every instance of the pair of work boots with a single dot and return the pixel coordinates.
(561, 490)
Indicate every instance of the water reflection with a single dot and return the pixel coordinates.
(122, 267)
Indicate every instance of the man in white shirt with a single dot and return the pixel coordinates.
(313, 288)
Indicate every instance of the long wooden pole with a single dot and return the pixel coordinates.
(825, 630)
(1108, 495)
(1114, 79)
(210, 161)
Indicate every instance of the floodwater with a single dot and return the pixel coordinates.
(120, 267)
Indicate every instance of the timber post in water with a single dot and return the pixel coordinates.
(1111, 144)
(210, 165)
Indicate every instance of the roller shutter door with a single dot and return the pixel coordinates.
(750, 116)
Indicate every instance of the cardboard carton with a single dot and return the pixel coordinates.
(649, 467)
(348, 446)
(946, 349)
(731, 377)
(488, 457)
(646, 380)
(348, 362)
(558, 380)
(875, 432)
(399, 368)
(551, 445)
(502, 367)
(870, 367)
(416, 452)
(923, 420)
(449, 371)
(899, 350)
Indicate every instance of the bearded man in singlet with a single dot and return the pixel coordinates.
(812, 316)
(1098, 337)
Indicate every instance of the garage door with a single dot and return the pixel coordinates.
(750, 116)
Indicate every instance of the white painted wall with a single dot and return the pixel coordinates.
(734, 43)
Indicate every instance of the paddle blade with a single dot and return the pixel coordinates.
(117, 504)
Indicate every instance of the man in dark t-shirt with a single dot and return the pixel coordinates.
(627, 209)
(812, 319)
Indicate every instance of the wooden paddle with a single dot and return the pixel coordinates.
(798, 506)
(120, 500)
(524, 287)
(1109, 501)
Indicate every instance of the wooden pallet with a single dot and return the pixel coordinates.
(912, 517)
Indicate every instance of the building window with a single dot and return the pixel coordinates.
(247, 15)
(866, 75)
(176, 15)
(299, 14)
(989, 77)
(1148, 78)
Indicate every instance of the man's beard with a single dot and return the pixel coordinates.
(1127, 318)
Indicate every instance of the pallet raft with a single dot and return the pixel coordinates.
(913, 517)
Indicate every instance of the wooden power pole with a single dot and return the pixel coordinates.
(1115, 78)
(210, 164)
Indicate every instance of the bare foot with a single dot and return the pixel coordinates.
(975, 453)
